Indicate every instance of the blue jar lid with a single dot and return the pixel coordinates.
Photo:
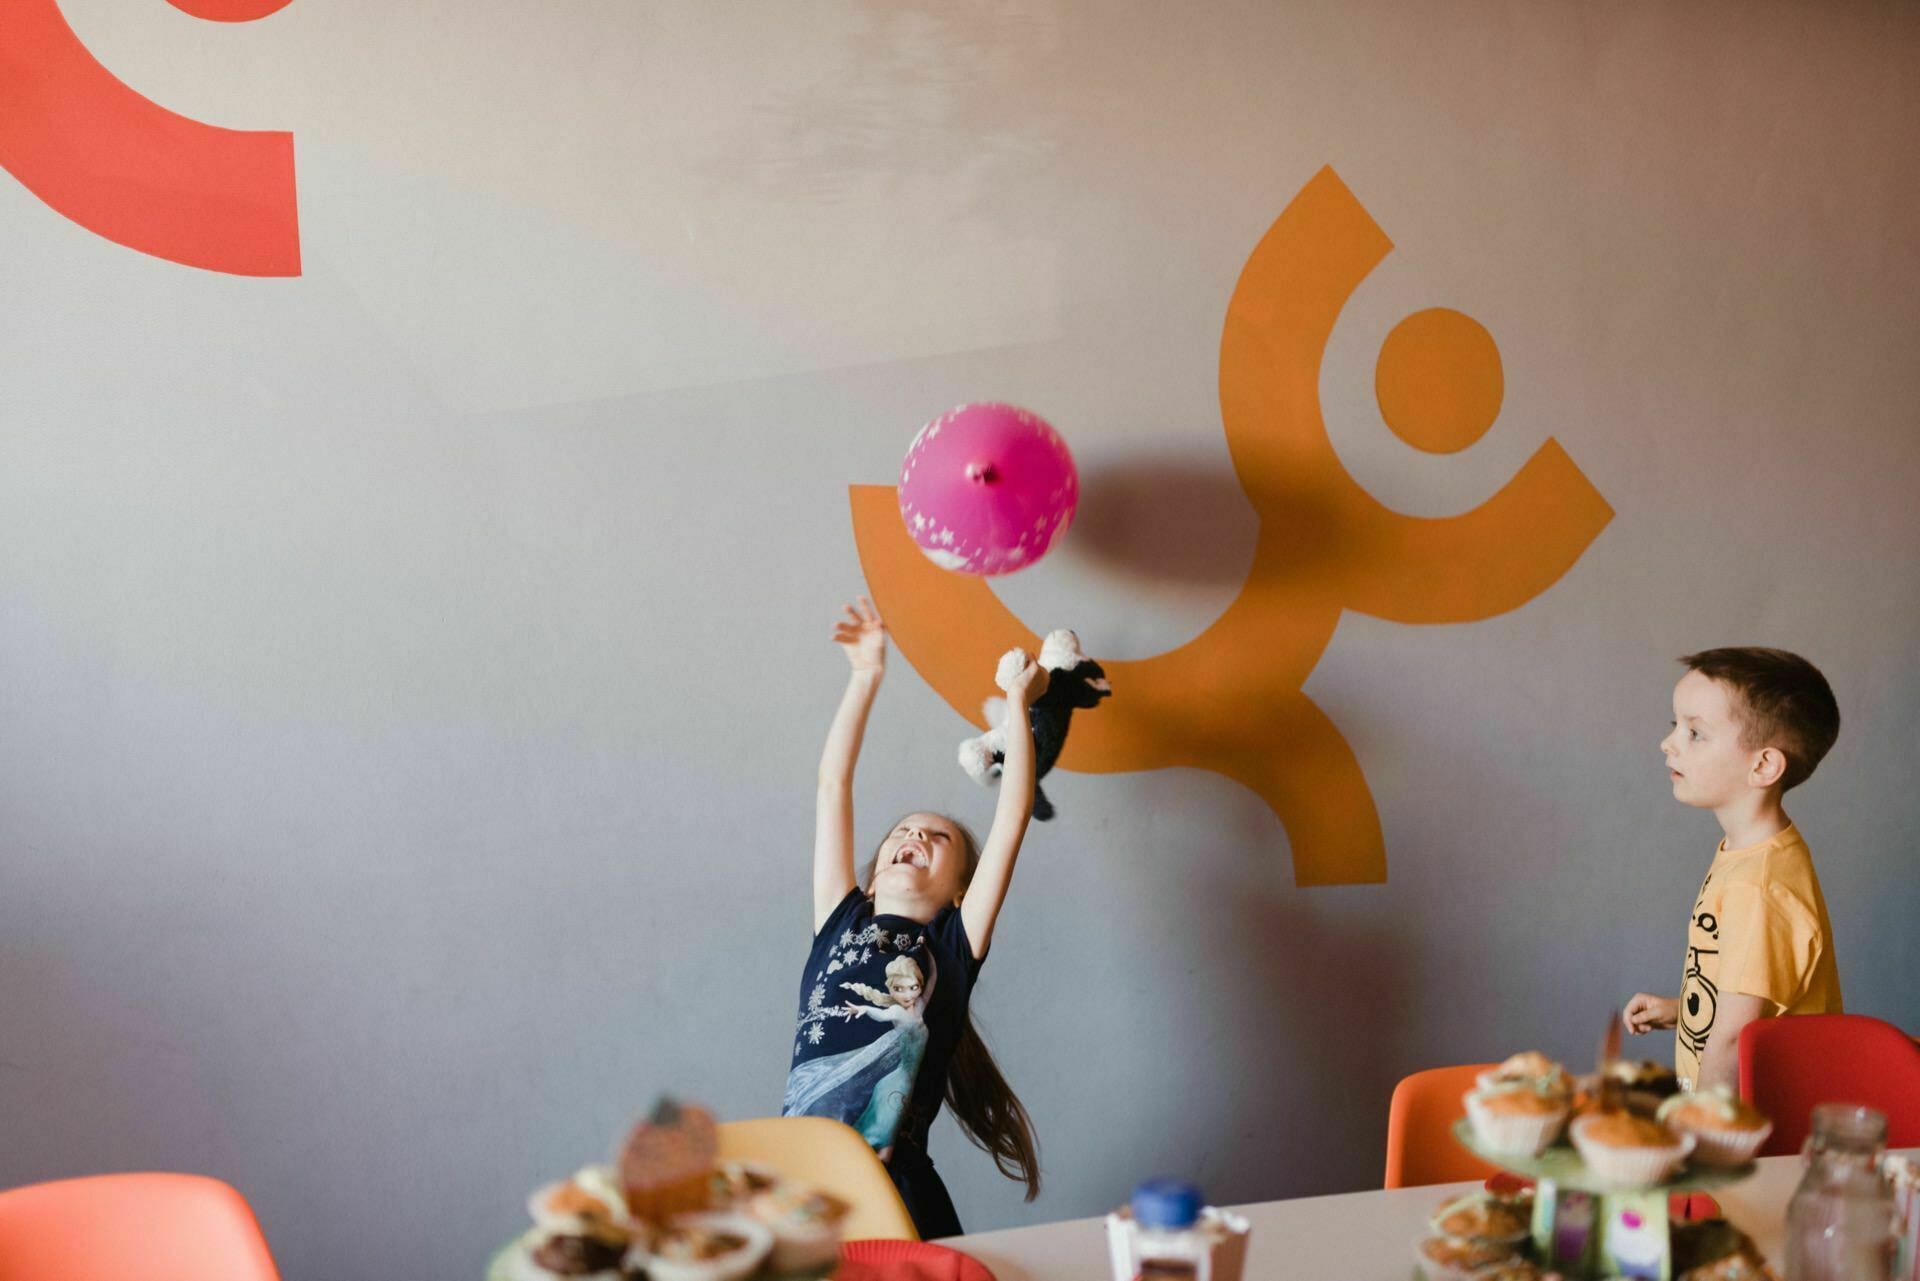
(1166, 1204)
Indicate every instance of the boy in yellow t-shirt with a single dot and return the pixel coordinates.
(1748, 725)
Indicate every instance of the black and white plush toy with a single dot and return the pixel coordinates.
(1074, 681)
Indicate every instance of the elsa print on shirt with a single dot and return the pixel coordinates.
(870, 1086)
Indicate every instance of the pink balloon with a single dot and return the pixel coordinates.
(987, 489)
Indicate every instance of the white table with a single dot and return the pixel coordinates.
(1359, 1235)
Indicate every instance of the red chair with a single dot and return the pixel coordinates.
(1789, 1064)
(117, 1227)
(1421, 1148)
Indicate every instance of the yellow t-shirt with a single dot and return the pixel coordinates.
(1759, 928)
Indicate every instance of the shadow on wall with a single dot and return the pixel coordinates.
(1308, 1011)
(1164, 518)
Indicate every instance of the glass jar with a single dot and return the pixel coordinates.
(1840, 1222)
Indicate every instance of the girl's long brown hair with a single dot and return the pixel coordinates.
(990, 1115)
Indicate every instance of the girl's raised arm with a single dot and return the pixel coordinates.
(863, 636)
(981, 905)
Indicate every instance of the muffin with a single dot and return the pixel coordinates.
(667, 1163)
(581, 1231)
(1528, 1068)
(1483, 1217)
(1454, 1259)
(805, 1226)
(1629, 1151)
(704, 1247)
(1725, 1130)
(1517, 1119)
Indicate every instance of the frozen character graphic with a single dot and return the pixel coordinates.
(870, 1088)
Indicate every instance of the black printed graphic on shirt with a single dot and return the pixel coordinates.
(1699, 996)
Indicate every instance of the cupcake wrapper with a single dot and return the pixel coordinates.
(1724, 1148)
(1633, 1167)
(1514, 1135)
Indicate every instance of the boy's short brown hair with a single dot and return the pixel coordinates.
(1782, 701)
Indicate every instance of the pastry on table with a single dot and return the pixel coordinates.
(667, 1163)
(1455, 1259)
(805, 1226)
(1529, 1068)
(715, 1246)
(1644, 1083)
(1701, 1248)
(581, 1230)
(1518, 1118)
(736, 1183)
(1726, 1130)
(1629, 1151)
(1480, 1216)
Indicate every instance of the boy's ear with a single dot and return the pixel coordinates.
(1769, 767)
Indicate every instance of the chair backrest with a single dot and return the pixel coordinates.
(1791, 1063)
(116, 1227)
(1421, 1148)
(827, 1155)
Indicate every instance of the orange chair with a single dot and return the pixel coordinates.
(113, 1227)
(1789, 1065)
(1421, 1148)
(827, 1155)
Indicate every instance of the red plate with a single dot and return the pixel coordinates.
(906, 1261)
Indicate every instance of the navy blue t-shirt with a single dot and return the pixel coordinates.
(883, 1001)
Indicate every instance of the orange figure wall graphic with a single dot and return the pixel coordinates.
(1231, 700)
(129, 170)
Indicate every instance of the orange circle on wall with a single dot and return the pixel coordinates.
(230, 10)
(1439, 380)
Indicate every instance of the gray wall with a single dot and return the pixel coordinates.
(413, 671)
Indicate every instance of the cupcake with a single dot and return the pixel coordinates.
(1517, 1119)
(667, 1163)
(581, 1230)
(704, 1247)
(805, 1226)
(1725, 1130)
(1454, 1259)
(1481, 1216)
(1529, 1068)
(1629, 1151)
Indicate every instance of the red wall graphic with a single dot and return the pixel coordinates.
(128, 169)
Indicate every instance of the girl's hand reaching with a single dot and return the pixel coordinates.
(1029, 683)
(863, 635)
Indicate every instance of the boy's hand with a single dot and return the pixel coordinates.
(1646, 1012)
(863, 636)
(1029, 683)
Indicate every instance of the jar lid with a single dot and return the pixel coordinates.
(1166, 1204)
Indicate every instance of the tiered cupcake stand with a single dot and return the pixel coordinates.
(1585, 1228)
